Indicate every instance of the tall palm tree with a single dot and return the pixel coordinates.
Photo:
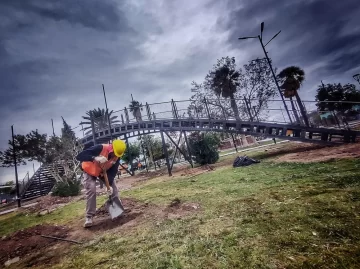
(100, 117)
(224, 81)
(136, 107)
(291, 79)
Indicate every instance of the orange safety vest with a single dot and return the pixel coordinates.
(93, 168)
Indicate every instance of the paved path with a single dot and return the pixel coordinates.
(253, 148)
(16, 208)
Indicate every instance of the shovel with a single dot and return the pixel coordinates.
(113, 205)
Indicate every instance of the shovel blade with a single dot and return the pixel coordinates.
(115, 208)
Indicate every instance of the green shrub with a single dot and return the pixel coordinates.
(65, 189)
(204, 147)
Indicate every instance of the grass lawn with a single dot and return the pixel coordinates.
(269, 215)
(12, 222)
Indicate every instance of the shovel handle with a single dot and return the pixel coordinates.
(106, 180)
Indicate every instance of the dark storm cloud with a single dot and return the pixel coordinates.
(312, 30)
(54, 55)
(100, 15)
(34, 50)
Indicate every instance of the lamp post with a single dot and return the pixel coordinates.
(107, 113)
(15, 164)
(269, 62)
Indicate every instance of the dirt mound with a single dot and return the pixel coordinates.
(302, 152)
(28, 241)
(128, 203)
(132, 216)
(176, 209)
(150, 174)
(197, 170)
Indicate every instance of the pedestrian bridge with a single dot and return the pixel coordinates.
(284, 131)
(214, 115)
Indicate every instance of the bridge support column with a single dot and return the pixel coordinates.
(143, 152)
(324, 136)
(189, 149)
(248, 109)
(127, 148)
(178, 149)
(166, 153)
(233, 139)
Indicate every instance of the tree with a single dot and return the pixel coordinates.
(291, 79)
(153, 148)
(334, 97)
(224, 80)
(314, 118)
(28, 147)
(100, 117)
(257, 86)
(132, 152)
(60, 155)
(57, 153)
(136, 108)
(204, 147)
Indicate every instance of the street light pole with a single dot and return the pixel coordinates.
(107, 112)
(270, 65)
(274, 76)
(15, 164)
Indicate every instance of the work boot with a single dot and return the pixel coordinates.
(88, 222)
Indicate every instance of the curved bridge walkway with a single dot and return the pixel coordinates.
(173, 122)
(290, 132)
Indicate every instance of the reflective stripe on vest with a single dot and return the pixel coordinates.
(94, 168)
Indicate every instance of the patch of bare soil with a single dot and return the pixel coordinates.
(137, 212)
(303, 152)
(176, 209)
(48, 203)
(192, 172)
(25, 243)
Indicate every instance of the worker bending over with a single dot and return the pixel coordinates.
(94, 161)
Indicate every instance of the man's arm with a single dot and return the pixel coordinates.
(112, 171)
(89, 154)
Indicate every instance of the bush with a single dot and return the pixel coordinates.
(65, 189)
(204, 147)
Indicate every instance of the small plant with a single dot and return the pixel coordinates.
(65, 189)
(204, 147)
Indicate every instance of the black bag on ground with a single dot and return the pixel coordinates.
(244, 161)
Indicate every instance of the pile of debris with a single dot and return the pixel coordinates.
(244, 161)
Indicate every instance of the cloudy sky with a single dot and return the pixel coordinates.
(54, 55)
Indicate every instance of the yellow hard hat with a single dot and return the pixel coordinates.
(119, 147)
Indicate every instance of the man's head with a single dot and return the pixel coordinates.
(118, 148)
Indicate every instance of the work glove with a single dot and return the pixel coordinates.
(110, 191)
(100, 159)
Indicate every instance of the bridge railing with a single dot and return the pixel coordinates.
(254, 110)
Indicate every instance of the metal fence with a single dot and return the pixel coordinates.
(23, 183)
